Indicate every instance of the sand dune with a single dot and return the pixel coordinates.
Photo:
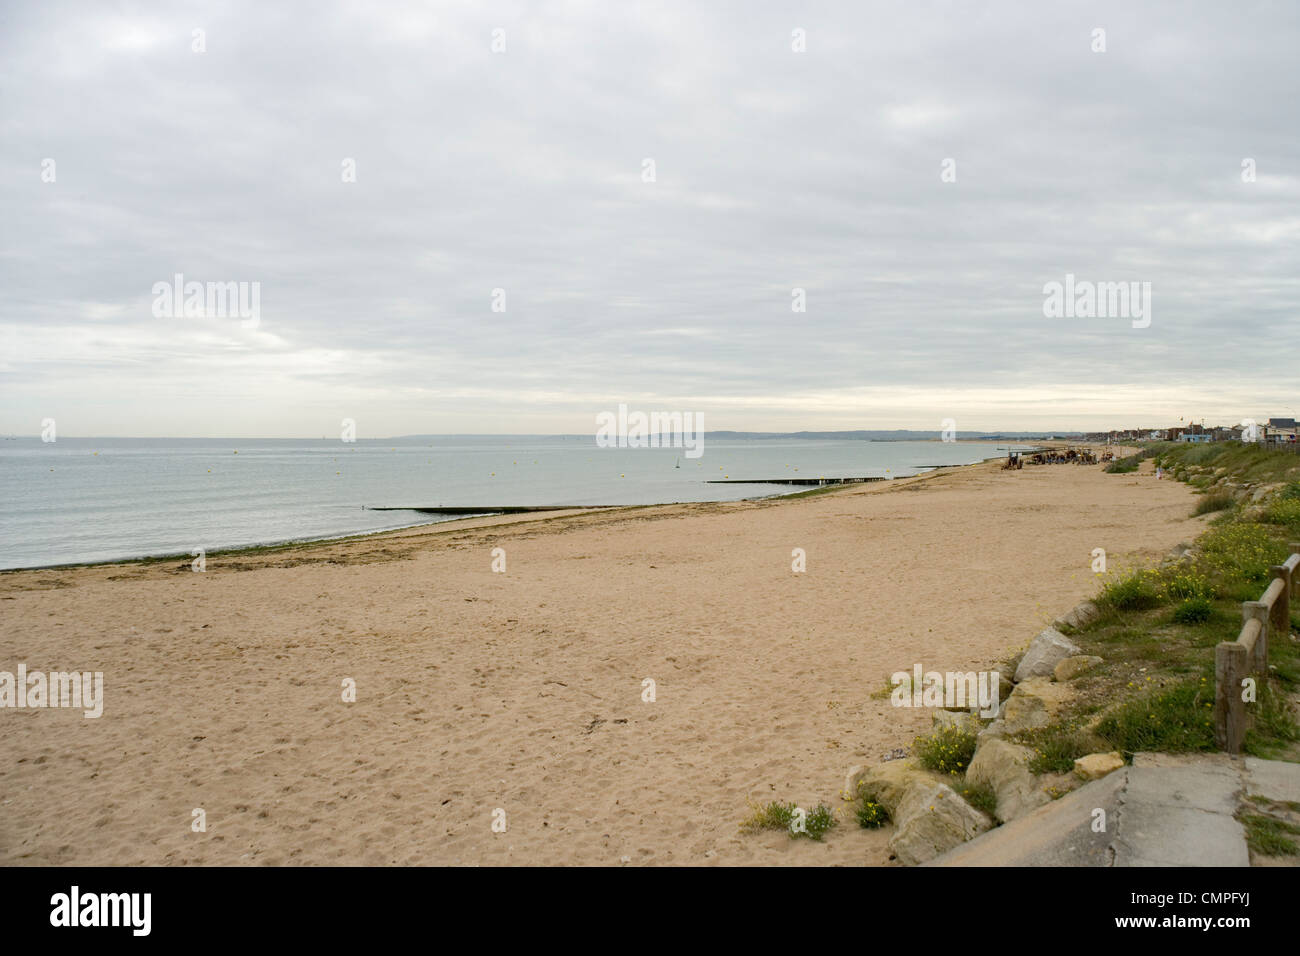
(522, 690)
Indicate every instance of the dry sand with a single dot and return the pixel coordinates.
(522, 690)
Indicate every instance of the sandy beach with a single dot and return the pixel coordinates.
(522, 690)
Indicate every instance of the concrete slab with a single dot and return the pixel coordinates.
(1215, 789)
(1058, 834)
(1273, 779)
(1147, 759)
(1148, 834)
(1164, 810)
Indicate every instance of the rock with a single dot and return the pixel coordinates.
(997, 728)
(1072, 667)
(1043, 653)
(1096, 766)
(932, 819)
(888, 781)
(1081, 616)
(992, 712)
(1033, 704)
(1002, 766)
(1005, 687)
(855, 775)
(953, 718)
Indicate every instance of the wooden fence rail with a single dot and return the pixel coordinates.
(1247, 656)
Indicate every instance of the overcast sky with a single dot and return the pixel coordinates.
(522, 170)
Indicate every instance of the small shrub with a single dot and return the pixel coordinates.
(1214, 501)
(948, 750)
(820, 821)
(1195, 610)
(1284, 512)
(1185, 584)
(1132, 592)
(782, 816)
(871, 813)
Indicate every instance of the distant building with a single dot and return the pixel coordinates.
(1278, 434)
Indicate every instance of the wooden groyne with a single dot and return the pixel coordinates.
(789, 481)
(490, 509)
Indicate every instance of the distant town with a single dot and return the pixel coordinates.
(1276, 431)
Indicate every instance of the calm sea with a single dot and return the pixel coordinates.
(104, 499)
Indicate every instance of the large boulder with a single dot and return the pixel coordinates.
(888, 781)
(931, 820)
(1002, 767)
(1032, 704)
(1072, 667)
(1043, 654)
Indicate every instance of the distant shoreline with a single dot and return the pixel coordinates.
(453, 523)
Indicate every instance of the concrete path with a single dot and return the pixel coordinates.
(1164, 810)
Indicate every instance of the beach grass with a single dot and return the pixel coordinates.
(948, 750)
(1269, 836)
(1213, 501)
(775, 815)
(1159, 626)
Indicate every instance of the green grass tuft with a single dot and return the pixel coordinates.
(1130, 592)
(1055, 748)
(784, 816)
(1177, 720)
(871, 813)
(1195, 610)
(948, 750)
(981, 797)
(1270, 837)
(1214, 501)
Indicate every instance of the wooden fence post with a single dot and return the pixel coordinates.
(1280, 618)
(1295, 575)
(1230, 668)
(1257, 610)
